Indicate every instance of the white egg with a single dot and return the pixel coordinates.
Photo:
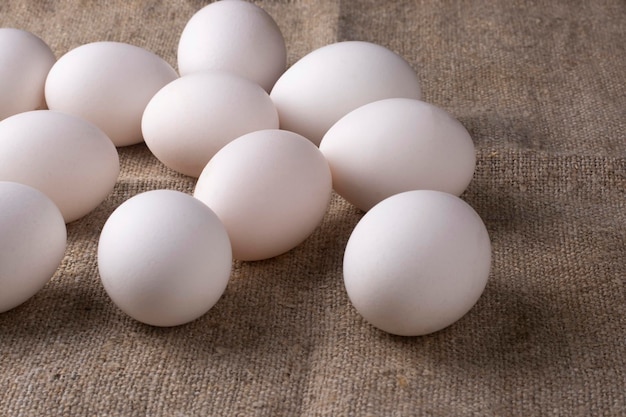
(109, 84)
(67, 158)
(331, 81)
(164, 258)
(235, 36)
(25, 60)
(395, 145)
(417, 262)
(193, 117)
(32, 242)
(270, 188)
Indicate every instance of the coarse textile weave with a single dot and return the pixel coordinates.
(541, 87)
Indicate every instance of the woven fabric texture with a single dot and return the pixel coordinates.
(541, 87)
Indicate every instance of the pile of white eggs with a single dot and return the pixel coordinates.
(268, 145)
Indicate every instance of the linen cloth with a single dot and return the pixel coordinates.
(541, 87)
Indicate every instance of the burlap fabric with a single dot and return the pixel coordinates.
(540, 85)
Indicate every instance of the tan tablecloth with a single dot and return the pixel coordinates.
(540, 85)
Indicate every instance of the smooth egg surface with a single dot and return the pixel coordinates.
(194, 116)
(235, 36)
(335, 79)
(67, 158)
(109, 84)
(270, 188)
(32, 242)
(164, 258)
(417, 262)
(395, 145)
(25, 61)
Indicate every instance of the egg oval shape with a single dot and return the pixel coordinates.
(235, 36)
(395, 145)
(164, 258)
(270, 188)
(194, 116)
(33, 239)
(325, 85)
(109, 84)
(25, 60)
(67, 158)
(417, 262)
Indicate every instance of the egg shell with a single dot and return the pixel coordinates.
(164, 258)
(270, 188)
(109, 84)
(33, 239)
(335, 79)
(193, 117)
(67, 158)
(25, 60)
(417, 262)
(395, 145)
(235, 36)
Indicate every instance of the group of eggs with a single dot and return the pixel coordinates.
(267, 144)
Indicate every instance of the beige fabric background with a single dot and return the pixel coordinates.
(540, 85)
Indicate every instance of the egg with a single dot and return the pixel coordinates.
(395, 145)
(194, 116)
(234, 36)
(32, 242)
(417, 262)
(25, 60)
(164, 258)
(326, 84)
(270, 188)
(109, 84)
(67, 158)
